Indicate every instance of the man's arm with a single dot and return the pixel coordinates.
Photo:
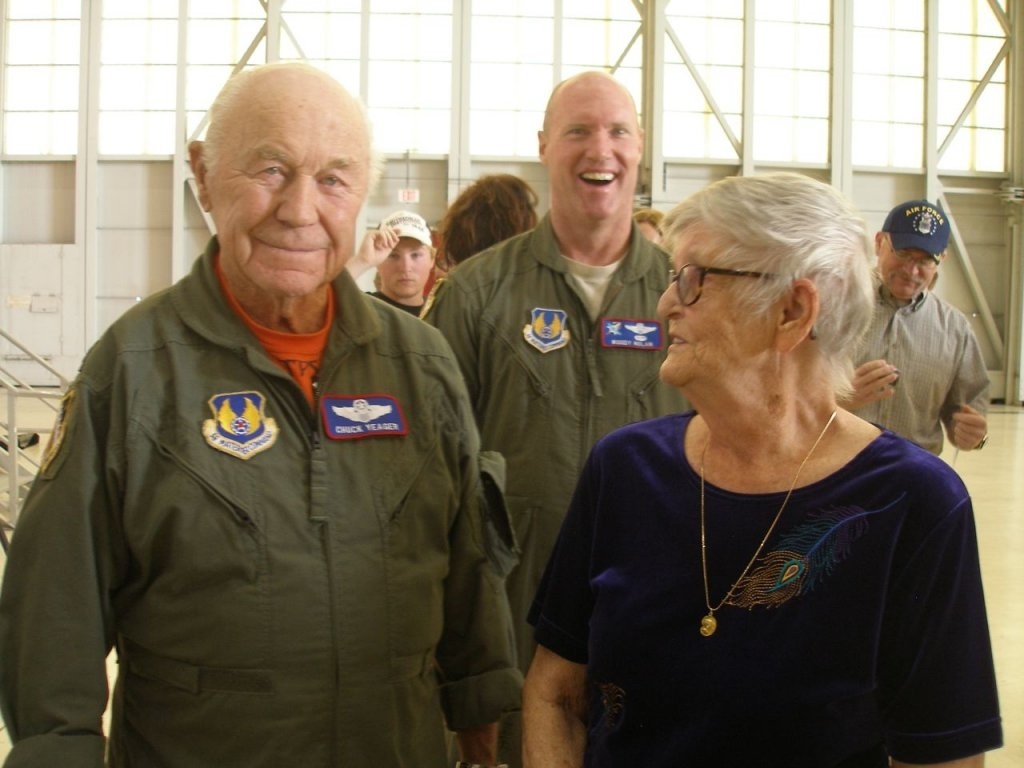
(554, 712)
(873, 380)
(479, 745)
(457, 316)
(56, 625)
(968, 399)
(967, 429)
(376, 246)
(476, 652)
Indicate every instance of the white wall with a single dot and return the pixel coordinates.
(57, 296)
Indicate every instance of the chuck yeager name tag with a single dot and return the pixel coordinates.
(351, 417)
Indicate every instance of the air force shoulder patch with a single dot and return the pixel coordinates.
(547, 329)
(350, 417)
(239, 426)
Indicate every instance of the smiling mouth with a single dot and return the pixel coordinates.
(292, 247)
(598, 179)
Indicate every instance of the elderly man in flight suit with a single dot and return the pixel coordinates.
(265, 491)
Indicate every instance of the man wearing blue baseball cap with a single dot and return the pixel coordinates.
(921, 368)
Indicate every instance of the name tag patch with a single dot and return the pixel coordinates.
(352, 417)
(631, 334)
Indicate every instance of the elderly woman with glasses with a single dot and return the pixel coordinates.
(769, 580)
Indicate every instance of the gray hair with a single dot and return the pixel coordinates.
(235, 92)
(795, 227)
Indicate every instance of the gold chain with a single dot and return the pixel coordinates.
(708, 624)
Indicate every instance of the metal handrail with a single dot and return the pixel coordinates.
(20, 467)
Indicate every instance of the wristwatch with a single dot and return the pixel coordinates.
(981, 445)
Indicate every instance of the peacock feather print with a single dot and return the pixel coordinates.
(803, 559)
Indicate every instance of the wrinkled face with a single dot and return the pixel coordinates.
(288, 185)
(711, 340)
(905, 273)
(591, 145)
(404, 273)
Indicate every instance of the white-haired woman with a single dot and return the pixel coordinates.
(768, 581)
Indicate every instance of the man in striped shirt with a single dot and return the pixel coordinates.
(921, 369)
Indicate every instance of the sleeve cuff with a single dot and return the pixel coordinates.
(955, 745)
(84, 751)
(481, 699)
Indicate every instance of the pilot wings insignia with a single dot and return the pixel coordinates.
(640, 329)
(349, 417)
(361, 411)
(631, 333)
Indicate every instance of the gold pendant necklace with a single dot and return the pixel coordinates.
(708, 624)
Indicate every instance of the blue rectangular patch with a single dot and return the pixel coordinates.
(351, 417)
(631, 334)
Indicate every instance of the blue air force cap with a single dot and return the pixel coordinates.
(918, 224)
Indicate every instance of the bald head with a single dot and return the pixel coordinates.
(585, 80)
(252, 93)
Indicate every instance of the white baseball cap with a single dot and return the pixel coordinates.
(408, 224)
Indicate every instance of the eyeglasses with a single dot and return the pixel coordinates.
(926, 263)
(689, 280)
(923, 263)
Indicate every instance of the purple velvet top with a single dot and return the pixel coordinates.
(860, 631)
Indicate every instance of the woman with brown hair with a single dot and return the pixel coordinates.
(493, 208)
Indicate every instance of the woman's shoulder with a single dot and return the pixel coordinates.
(664, 432)
(893, 459)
